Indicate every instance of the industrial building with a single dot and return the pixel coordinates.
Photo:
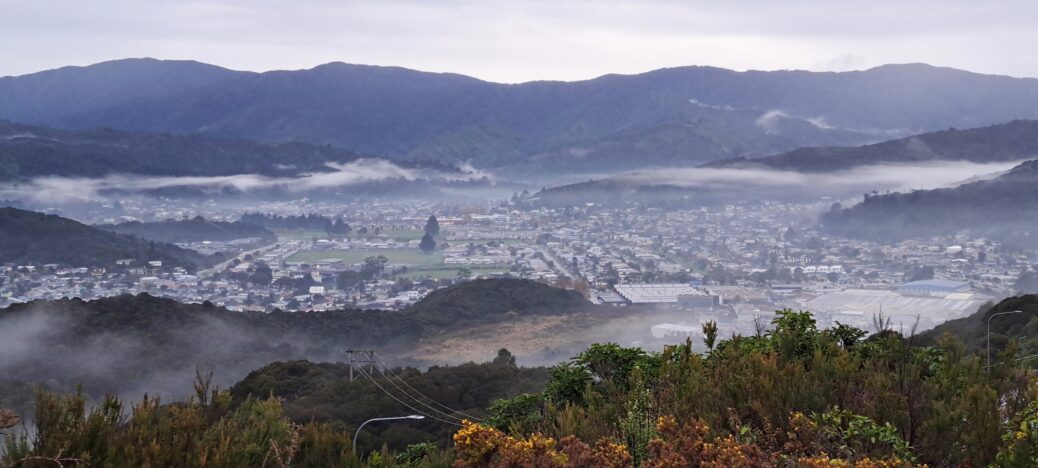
(673, 330)
(659, 293)
(934, 287)
(858, 307)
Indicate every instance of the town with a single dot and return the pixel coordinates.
(734, 265)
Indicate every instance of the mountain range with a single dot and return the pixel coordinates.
(32, 151)
(676, 116)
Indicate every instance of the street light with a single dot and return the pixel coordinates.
(355, 434)
(989, 330)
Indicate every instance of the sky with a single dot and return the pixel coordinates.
(516, 41)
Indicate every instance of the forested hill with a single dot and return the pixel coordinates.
(1004, 207)
(472, 300)
(972, 330)
(325, 393)
(1013, 141)
(31, 238)
(682, 115)
(29, 151)
(197, 229)
(161, 341)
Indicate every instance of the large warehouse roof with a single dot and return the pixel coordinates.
(901, 308)
(656, 293)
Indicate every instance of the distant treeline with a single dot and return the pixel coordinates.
(197, 229)
(310, 221)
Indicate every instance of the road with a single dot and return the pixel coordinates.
(222, 265)
(560, 266)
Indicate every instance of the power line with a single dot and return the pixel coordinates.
(386, 368)
(401, 390)
(412, 408)
(353, 360)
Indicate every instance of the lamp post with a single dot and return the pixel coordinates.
(355, 434)
(989, 330)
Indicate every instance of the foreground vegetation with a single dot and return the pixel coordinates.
(793, 396)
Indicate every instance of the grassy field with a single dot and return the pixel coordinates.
(299, 234)
(306, 234)
(396, 256)
(481, 241)
(404, 235)
(451, 272)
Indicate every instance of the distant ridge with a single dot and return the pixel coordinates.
(1004, 208)
(31, 238)
(1003, 143)
(663, 118)
(31, 151)
(1012, 141)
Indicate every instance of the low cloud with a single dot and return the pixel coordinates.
(771, 121)
(698, 103)
(927, 175)
(842, 62)
(71, 189)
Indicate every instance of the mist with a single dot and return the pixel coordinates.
(928, 175)
(43, 346)
(363, 171)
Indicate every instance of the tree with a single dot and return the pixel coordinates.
(919, 274)
(432, 226)
(340, 227)
(262, 275)
(710, 334)
(464, 273)
(428, 245)
(504, 358)
(348, 279)
(374, 265)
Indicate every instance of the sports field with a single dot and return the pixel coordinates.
(452, 271)
(413, 257)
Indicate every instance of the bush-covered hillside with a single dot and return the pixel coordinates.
(471, 301)
(1003, 208)
(161, 342)
(795, 396)
(447, 395)
(972, 330)
(30, 238)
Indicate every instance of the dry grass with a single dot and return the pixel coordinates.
(529, 337)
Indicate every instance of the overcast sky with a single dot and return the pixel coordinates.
(512, 41)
